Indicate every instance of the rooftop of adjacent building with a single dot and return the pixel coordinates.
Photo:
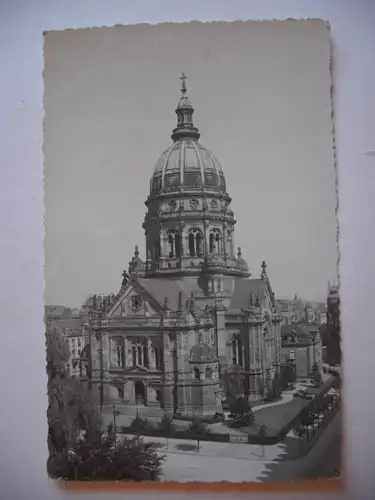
(299, 335)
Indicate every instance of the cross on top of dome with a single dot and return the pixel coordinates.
(183, 78)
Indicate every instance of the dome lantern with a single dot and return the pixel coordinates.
(185, 128)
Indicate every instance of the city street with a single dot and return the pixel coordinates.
(243, 462)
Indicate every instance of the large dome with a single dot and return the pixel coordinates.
(187, 164)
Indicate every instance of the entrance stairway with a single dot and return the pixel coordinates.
(143, 411)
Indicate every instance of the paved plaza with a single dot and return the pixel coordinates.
(235, 462)
(238, 462)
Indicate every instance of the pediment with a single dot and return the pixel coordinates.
(137, 368)
(134, 301)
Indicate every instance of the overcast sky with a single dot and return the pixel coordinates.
(261, 92)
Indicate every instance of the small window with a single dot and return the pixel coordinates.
(197, 374)
(208, 373)
(172, 180)
(192, 180)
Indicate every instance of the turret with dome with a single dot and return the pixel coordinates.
(189, 224)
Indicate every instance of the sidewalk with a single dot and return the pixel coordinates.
(321, 461)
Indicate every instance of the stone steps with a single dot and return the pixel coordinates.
(143, 411)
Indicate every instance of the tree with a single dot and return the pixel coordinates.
(241, 413)
(70, 409)
(262, 434)
(287, 376)
(276, 386)
(299, 430)
(78, 447)
(107, 459)
(274, 390)
(315, 375)
(197, 429)
(231, 382)
(166, 424)
(239, 407)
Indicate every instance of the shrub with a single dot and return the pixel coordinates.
(315, 375)
(243, 421)
(275, 390)
(262, 431)
(140, 424)
(166, 424)
(239, 407)
(218, 417)
(104, 459)
(197, 428)
(287, 376)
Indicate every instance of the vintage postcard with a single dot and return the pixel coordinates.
(192, 304)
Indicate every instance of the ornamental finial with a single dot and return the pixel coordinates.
(183, 83)
(264, 270)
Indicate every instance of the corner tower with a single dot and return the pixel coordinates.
(189, 225)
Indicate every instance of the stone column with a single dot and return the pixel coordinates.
(129, 354)
(125, 353)
(224, 239)
(105, 367)
(112, 352)
(151, 355)
(206, 238)
(164, 240)
(182, 239)
(222, 337)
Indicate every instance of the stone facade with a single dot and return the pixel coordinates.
(189, 311)
(301, 345)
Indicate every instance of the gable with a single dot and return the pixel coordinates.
(242, 290)
(135, 301)
(137, 368)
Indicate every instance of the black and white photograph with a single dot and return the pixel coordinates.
(192, 303)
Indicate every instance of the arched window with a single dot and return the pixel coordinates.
(134, 355)
(145, 356)
(240, 355)
(174, 243)
(120, 356)
(208, 373)
(157, 248)
(140, 355)
(237, 355)
(197, 374)
(157, 359)
(195, 243)
(215, 241)
(234, 352)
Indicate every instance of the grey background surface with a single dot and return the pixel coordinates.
(261, 91)
(23, 426)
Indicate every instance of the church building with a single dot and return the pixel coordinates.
(188, 312)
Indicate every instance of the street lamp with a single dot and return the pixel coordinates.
(115, 414)
(137, 404)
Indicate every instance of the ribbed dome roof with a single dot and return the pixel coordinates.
(186, 163)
